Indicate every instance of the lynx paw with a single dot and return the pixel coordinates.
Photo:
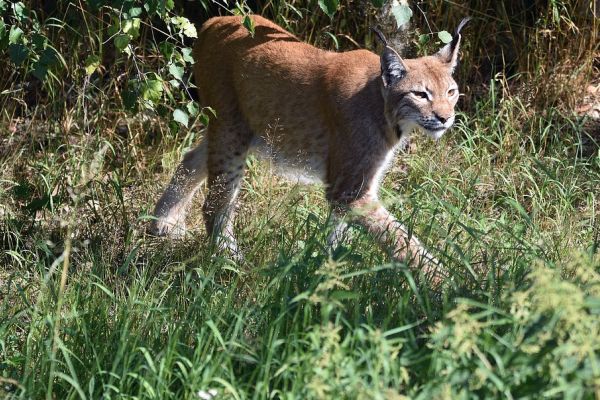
(167, 227)
(226, 246)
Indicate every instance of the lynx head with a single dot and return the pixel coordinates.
(420, 92)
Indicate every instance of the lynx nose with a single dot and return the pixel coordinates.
(441, 119)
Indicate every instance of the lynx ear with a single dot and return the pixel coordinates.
(392, 67)
(449, 53)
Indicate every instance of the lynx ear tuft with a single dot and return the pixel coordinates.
(380, 36)
(392, 67)
(449, 53)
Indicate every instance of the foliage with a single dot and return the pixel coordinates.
(110, 30)
(548, 343)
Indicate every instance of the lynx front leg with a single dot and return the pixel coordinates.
(171, 207)
(340, 229)
(390, 232)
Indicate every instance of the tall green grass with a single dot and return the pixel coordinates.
(91, 307)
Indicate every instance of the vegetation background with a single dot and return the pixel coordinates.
(96, 110)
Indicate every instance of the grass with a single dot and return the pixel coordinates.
(92, 307)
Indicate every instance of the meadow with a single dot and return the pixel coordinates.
(93, 307)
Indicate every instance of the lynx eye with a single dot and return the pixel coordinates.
(421, 95)
(451, 92)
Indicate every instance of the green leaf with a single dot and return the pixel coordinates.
(445, 37)
(17, 53)
(176, 71)
(378, 3)
(187, 28)
(187, 55)
(204, 119)
(329, 6)
(166, 49)
(114, 28)
(91, 64)
(132, 27)
(402, 12)
(190, 30)
(39, 41)
(135, 11)
(49, 57)
(152, 90)
(121, 41)
(423, 39)
(181, 116)
(158, 7)
(15, 35)
(248, 23)
(192, 108)
(40, 70)
(20, 11)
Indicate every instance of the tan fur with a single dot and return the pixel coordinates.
(333, 117)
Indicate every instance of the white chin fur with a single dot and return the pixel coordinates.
(435, 135)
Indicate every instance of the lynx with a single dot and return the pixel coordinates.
(331, 117)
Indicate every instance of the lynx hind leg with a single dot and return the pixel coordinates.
(226, 164)
(171, 208)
